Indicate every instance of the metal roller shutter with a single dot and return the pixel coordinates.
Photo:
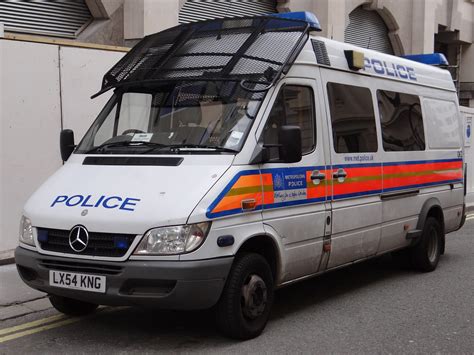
(52, 18)
(195, 10)
(367, 29)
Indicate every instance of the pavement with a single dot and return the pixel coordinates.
(371, 307)
(17, 299)
(7, 257)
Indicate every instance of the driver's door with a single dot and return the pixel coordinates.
(295, 193)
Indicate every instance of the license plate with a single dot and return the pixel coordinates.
(92, 283)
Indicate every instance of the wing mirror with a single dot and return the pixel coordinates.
(289, 147)
(66, 143)
(289, 138)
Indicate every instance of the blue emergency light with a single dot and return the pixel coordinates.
(121, 243)
(43, 235)
(305, 16)
(430, 59)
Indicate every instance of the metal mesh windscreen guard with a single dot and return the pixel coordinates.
(257, 50)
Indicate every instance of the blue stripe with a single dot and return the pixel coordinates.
(360, 165)
(414, 162)
(209, 214)
(227, 189)
(296, 170)
(293, 170)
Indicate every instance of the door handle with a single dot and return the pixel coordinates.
(316, 175)
(340, 174)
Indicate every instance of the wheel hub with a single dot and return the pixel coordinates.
(254, 297)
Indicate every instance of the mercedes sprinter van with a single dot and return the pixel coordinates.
(240, 155)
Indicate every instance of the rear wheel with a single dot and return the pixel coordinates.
(244, 307)
(71, 306)
(425, 255)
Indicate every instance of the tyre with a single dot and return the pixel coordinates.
(71, 306)
(244, 307)
(425, 255)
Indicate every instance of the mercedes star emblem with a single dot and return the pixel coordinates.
(78, 238)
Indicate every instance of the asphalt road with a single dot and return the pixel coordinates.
(372, 307)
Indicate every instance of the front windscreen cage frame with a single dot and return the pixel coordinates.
(256, 51)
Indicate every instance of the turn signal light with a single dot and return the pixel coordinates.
(249, 205)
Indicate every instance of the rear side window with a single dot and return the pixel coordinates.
(294, 106)
(443, 124)
(352, 118)
(401, 120)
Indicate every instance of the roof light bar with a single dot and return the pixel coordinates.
(305, 16)
(430, 59)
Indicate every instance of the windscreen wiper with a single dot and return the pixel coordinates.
(179, 147)
(103, 146)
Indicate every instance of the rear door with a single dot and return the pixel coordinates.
(356, 167)
(295, 194)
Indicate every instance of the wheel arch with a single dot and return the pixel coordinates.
(268, 247)
(432, 208)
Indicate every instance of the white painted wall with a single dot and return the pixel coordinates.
(468, 114)
(81, 76)
(32, 111)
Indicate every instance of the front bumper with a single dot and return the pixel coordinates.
(161, 284)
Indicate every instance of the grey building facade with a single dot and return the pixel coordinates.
(391, 26)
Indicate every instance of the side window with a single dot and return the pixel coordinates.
(294, 106)
(401, 121)
(352, 118)
(443, 124)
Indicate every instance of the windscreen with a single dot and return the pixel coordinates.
(205, 116)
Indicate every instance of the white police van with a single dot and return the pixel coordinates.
(237, 156)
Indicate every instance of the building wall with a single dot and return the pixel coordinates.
(143, 17)
(413, 27)
(44, 88)
(412, 24)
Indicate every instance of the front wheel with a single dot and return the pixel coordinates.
(244, 307)
(71, 306)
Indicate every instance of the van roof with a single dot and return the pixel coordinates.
(330, 53)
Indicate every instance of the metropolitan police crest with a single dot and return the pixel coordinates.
(278, 182)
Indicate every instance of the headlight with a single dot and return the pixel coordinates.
(26, 231)
(173, 240)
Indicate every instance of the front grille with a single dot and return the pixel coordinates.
(81, 267)
(100, 244)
